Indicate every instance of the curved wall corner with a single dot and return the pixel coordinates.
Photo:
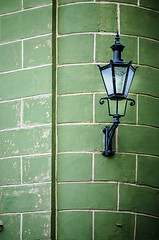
(98, 197)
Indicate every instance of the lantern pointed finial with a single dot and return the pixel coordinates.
(117, 39)
(117, 49)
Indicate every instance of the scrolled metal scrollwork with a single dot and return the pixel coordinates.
(132, 101)
(102, 100)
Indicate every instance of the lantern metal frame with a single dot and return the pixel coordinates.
(116, 62)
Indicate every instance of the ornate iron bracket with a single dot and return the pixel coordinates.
(110, 130)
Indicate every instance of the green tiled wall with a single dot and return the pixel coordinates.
(97, 197)
(26, 119)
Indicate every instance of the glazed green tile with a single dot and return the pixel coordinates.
(25, 198)
(147, 228)
(37, 140)
(74, 167)
(142, 83)
(150, 4)
(87, 18)
(36, 169)
(10, 114)
(122, 1)
(148, 110)
(35, 3)
(36, 226)
(9, 6)
(77, 79)
(138, 199)
(104, 53)
(148, 52)
(29, 82)
(11, 59)
(37, 110)
(10, 171)
(75, 49)
(147, 173)
(11, 227)
(102, 115)
(76, 108)
(37, 51)
(138, 21)
(120, 167)
(80, 138)
(113, 225)
(74, 225)
(30, 23)
(60, 2)
(87, 196)
(138, 139)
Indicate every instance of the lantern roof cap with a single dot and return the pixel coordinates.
(117, 45)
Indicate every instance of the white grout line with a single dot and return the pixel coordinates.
(26, 39)
(109, 211)
(21, 225)
(25, 184)
(47, 95)
(27, 68)
(22, 54)
(27, 127)
(106, 2)
(137, 110)
(25, 10)
(108, 182)
(93, 167)
(116, 140)
(117, 196)
(138, 50)
(138, 2)
(92, 225)
(93, 110)
(118, 17)
(135, 227)
(127, 153)
(136, 168)
(56, 125)
(21, 113)
(28, 155)
(21, 166)
(12, 213)
(94, 49)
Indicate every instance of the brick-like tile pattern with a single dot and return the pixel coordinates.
(82, 172)
(26, 118)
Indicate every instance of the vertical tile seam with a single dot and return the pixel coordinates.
(138, 2)
(21, 226)
(94, 48)
(116, 140)
(93, 110)
(117, 196)
(137, 110)
(22, 5)
(92, 167)
(118, 16)
(138, 62)
(56, 123)
(21, 113)
(135, 227)
(22, 54)
(136, 168)
(21, 172)
(92, 225)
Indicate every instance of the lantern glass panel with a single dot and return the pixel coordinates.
(129, 81)
(107, 77)
(120, 75)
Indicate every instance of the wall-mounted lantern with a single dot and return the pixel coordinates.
(117, 77)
